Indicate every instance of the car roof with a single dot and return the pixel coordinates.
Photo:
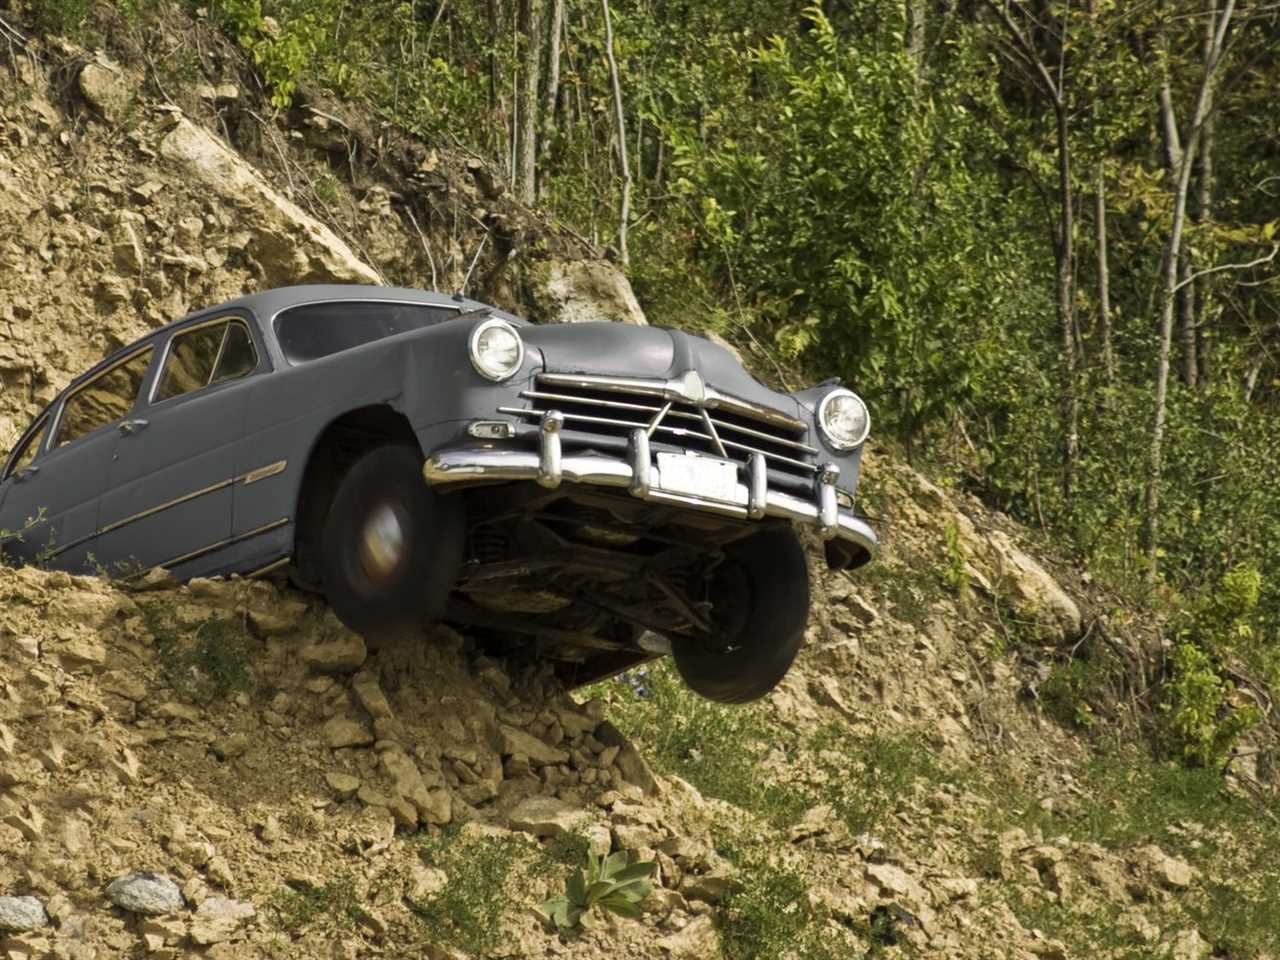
(267, 303)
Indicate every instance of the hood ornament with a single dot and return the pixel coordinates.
(689, 386)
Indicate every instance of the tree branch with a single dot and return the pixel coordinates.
(1275, 248)
(1054, 91)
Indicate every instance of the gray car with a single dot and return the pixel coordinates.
(599, 493)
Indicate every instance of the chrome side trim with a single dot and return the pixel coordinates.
(261, 473)
(269, 568)
(220, 544)
(677, 389)
(220, 485)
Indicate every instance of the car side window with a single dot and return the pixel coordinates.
(105, 399)
(26, 450)
(208, 354)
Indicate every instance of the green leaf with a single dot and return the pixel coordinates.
(598, 890)
(577, 887)
(621, 906)
(634, 890)
(615, 863)
(636, 871)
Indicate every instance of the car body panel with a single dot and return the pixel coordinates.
(212, 484)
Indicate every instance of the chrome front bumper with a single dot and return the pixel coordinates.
(637, 473)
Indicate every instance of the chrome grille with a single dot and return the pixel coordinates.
(680, 424)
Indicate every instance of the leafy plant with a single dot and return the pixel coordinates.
(610, 883)
(956, 570)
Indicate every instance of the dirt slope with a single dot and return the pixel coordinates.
(903, 793)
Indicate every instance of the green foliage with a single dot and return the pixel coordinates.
(865, 779)
(955, 571)
(63, 16)
(610, 883)
(1204, 715)
(769, 913)
(468, 912)
(301, 904)
(202, 665)
(1203, 722)
(283, 53)
(717, 748)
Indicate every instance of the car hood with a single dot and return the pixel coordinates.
(659, 353)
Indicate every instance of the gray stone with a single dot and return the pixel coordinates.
(341, 655)
(630, 763)
(105, 88)
(152, 894)
(342, 732)
(515, 741)
(578, 291)
(21, 914)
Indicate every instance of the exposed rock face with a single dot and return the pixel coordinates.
(152, 894)
(22, 914)
(580, 291)
(291, 245)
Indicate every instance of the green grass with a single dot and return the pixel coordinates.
(202, 665)
(335, 905)
(1128, 800)
(483, 873)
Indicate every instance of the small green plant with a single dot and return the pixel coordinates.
(300, 904)
(207, 664)
(567, 848)
(610, 883)
(63, 16)
(955, 571)
(1203, 722)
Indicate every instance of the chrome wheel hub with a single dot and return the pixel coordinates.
(382, 542)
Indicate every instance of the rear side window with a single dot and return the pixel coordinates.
(25, 452)
(106, 398)
(320, 329)
(211, 353)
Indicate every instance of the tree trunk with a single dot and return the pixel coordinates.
(551, 92)
(624, 211)
(1065, 255)
(1187, 321)
(1172, 255)
(531, 16)
(916, 39)
(1204, 208)
(1104, 277)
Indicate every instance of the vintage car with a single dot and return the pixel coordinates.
(598, 493)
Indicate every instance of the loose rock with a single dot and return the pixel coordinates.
(22, 914)
(152, 894)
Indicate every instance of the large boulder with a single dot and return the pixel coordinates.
(580, 291)
(291, 245)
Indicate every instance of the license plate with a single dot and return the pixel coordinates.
(703, 477)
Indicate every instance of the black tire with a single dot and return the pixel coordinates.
(391, 546)
(760, 597)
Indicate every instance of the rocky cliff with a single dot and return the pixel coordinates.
(220, 769)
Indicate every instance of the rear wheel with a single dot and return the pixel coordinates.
(759, 598)
(391, 546)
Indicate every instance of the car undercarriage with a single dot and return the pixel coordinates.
(597, 581)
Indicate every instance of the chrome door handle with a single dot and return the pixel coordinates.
(130, 427)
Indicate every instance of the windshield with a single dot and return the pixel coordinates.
(320, 329)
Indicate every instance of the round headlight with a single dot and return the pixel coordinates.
(496, 349)
(843, 419)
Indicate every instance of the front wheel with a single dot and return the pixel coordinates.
(759, 598)
(391, 545)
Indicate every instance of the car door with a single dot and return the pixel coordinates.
(168, 496)
(56, 494)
